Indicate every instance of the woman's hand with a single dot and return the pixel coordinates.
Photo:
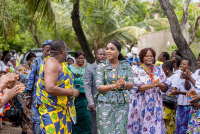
(119, 83)
(186, 74)
(156, 83)
(191, 93)
(195, 99)
(76, 93)
(174, 92)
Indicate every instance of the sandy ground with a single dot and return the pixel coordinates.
(8, 129)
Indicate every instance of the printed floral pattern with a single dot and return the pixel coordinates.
(146, 108)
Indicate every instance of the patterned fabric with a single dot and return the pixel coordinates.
(182, 118)
(33, 74)
(55, 111)
(146, 108)
(169, 117)
(194, 122)
(112, 118)
(78, 73)
(26, 121)
(106, 74)
(83, 125)
(112, 106)
(30, 84)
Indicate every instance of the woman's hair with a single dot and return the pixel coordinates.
(4, 54)
(166, 55)
(78, 53)
(30, 55)
(189, 61)
(168, 64)
(144, 51)
(178, 60)
(178, 53)
(119, 47)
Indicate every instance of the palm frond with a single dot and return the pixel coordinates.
(129, 33)
(160, 24)
(42, 10)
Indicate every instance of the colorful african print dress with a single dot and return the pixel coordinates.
(83, 125)
(56, 112)
(194, 117)
(146, 108)
(26, 121)
(112, 106)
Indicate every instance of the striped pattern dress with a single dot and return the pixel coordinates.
(56, 112)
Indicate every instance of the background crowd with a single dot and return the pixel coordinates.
(116, 94)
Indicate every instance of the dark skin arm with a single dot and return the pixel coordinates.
(156, 83)
(187, 85)
(51, 71)
(106, 88)
(187, 76)
(175, 92)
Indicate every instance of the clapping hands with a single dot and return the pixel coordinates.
(186, 74)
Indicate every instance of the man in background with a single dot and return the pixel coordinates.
(31, 82)
(90, 86)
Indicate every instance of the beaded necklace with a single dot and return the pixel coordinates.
(151, 74)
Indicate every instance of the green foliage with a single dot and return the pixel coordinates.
(195, 49)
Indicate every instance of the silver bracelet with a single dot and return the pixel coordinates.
(125, 84)
(112, 86)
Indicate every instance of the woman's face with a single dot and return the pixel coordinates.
(165, 70)
(30, 61)
(198, 62)
(70, 61)
(80, 60)
(184, 65)
(173, 54)
(8, 57)
(111, 51)
(148, 58)
(13, 63)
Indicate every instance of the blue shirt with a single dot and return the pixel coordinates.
(33, 74)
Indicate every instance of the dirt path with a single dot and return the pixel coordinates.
(8, 129)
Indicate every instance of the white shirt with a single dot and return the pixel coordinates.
(177, 72)
(196, 76)
(174, 79)
(182, 99)
(3, 67)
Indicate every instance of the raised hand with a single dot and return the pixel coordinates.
(191, 93)
(186, 74)
(195, 99)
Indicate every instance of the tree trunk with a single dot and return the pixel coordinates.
(177, 34)
(80, 34)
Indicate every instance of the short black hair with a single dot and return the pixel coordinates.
(99, 49)
(168, 64)
(178, 60)
(30, 55)
(189, 61)
(4, 54)
(57, 45)
(78, 53)
(166, 55)
(178, 53)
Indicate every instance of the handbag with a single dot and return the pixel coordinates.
(172, 100)
(12, 113)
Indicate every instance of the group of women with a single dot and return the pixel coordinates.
(129, 100)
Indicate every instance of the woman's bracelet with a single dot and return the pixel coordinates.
(73, 93)
(112, 86)
(124, 83)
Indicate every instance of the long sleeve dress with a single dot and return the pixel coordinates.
(146, 108)
(112, 106)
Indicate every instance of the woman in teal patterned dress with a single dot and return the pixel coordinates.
(113, 77)
(83, 125)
